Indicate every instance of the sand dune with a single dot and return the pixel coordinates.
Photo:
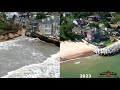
(70, 50)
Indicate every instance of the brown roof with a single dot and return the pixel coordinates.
(114, 25)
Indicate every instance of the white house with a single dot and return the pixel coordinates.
(75, 22)
(10, 15)
(66, 14)
(49, 27)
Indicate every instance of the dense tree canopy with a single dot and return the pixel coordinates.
(66, 31)
(40, 15)
(81, 14)
(94, 25)
(116, 19)
(106, 24)
(4, 25)
(104, 14)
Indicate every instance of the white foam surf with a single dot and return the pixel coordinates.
(77, 62)
(34, 39)
(5, 45)
(48, 69)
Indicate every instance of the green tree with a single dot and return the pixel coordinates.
(94, 25)
(67, 34)
(116, 19)
(63, 20)
(81, 14)
(106, 33)
(106, 24)
(40, 15)
(66, 30)
(105, 14)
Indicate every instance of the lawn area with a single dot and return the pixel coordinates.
(70, 17)
(108, 42)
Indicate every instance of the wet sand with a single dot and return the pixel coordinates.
(71, 50)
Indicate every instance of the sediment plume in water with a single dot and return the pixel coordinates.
(50, 68)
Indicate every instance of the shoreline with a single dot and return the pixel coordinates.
(46, 39)
(11, 35)
(71, 50)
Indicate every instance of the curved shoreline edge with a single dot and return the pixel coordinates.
(71, 50)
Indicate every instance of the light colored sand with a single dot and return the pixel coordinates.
(70, 50)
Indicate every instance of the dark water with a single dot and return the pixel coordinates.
(22, 51)
(93, 65)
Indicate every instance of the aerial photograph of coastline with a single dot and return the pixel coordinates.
(89, 44)
(29, 45)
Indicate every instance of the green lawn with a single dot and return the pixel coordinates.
(108, 42)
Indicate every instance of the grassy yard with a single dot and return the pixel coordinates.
(108, 42)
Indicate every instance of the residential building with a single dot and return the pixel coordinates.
(91, 34)
(50, 27)
(115, 33)
(10, 15)
(115, 25)
(66, 14)
(33, 24)
(21, 21)
(56, 26)
(47, 27)
(80, 22)
(94, 18)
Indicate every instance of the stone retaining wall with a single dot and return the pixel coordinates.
(110, 50)
(10, 35)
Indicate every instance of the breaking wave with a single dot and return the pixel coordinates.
(50, 68)
(5, 45)
(33, 39)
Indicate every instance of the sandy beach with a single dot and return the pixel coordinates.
(71, 50)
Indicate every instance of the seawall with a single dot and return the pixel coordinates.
(109, 50)
(46, 39)
(10, 34)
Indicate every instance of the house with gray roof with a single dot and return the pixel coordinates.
(49, 27)
(33, 24)
(56, 26)
(46, 27)
(21, 21)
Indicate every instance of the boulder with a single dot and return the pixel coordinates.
(11, 35)
(19, 32)
(6, 37)
(2, 37)
(16, 35)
